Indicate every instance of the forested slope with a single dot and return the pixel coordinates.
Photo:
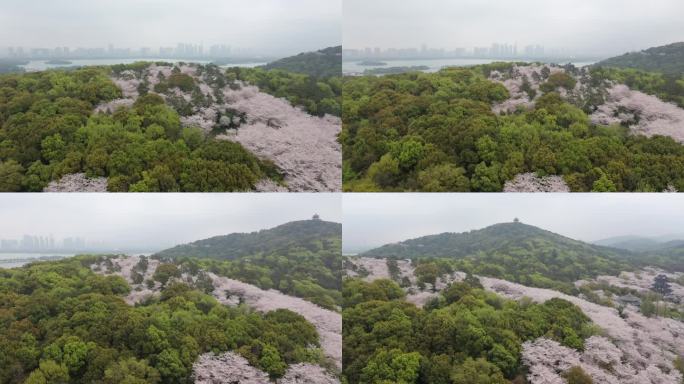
(665, 59)
(62, 323)
(465, 335)
(323, 63)
(657, 71)
(479, 128)
(301, 258)
(153, 127)
(48, 129)
(512, 251)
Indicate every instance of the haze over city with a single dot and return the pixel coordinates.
(583, 28)
(371, 220)
(230, 27)
(152, 222)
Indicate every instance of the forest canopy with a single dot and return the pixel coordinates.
(47, 130)
(436, 132)
(62, 323)
(465, 335)
(300, 258)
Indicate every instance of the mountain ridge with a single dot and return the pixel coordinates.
(472, 239)
(513, 251)
(240, 244)
(667, 59)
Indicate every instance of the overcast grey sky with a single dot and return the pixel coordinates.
(265, 25)
(587, 26)
(143, 220)
(372, 220)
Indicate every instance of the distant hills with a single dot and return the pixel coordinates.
(323, 63)
(666, 252)
(640, 244)
(667, 59)
(311, 235)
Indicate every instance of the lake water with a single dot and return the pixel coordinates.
(14, 260)
(41, 65)
(353, 67)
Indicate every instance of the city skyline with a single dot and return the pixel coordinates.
(180, 50)
(266, 27)
(494, 50)
(593, 28)
(35, 242)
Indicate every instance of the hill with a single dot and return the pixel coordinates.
(311, 235)
(497, 127)
(495, 238)
(513, 251)
(630, 243)
(300, 258)
(323, 63)
(666, 59)
(641, 243)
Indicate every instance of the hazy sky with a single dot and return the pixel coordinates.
(266, 25)
(141, 220)
(375, 219)
(588, 26)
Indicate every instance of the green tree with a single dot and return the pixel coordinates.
(11, 174)
(486, 178)
(170, 366)
(385, 172)
(166, 271)
(131, 371)
(444, 178)
(576, 375)
(271, 361)
(603, 184)
(477, 371)
(53, 148)
(391, 366)
(49, 372)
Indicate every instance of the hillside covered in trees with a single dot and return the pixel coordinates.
(301, 258)
(160, 127)
(513, 126)
(512, 303)
(512, 251)
(414, 321)
(667, 59)
(66, 322)
(465, 335)
(324, 63)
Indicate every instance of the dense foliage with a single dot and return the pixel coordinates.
(47, 130)
(301, 258)
(466, 335)
(437, 132)
(669, 258)
(666, 86)
(317, 96)
(61, 323)
(664, 59)
(324, 63)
